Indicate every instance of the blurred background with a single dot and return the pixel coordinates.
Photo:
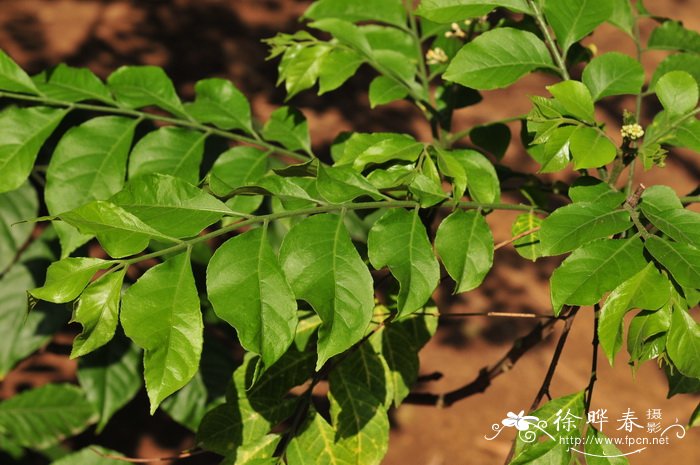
(195, 39)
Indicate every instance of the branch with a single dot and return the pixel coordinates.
(515, 238)
(594, 359)
(548, 38)
(488, 373)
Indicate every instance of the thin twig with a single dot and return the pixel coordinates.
(496, 314)
(516, 237)
(594, 359)
(182, 455)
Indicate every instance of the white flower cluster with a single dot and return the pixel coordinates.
(457, 31)
(632, 131)
(436, 56)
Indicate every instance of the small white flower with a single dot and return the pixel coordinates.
(632, 131)
(456, 32)
(519, 421)
(436, 56)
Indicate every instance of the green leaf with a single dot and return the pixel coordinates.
(399, 241)
(448, 11)
(338, 66)
(682, 260)
(169, 150)
(591, 148)
(451, 167)
(613, 74)
(683, 343)
(66, 279)
(288, 126)
(671, 35)
(88, 456)
(593, 190)
(24, 132)
(340, 184)
(238, 167)
(110, 377)
(678, 92)
(680, 384)
(572, 20)
(89, 163)
(622, 16)
(361, 149)
(300, 66)
(594, 269)
(663, 208)
(259, 452)
(648, 290)
(22, 333)
(120, 233)
(572, 226)
(344, 32)
(497, 59)
(75, 85)
(219, 102)
(325, 270)
(156, 199)
(383, 90)
(316, 445)
(494, 138)
(575, 98)
(694, 417)
(386, 11)
(428, 191)
(527, 246)
(688, 135)
(465, 245)
(555, 151)
(360, 420)
(646, 330)
(144, 86)
(18, 205)
(368, 368)
(253, 296)
(43, 416)
(161, 314)
(97, 311)
(688, 62)
(482, 180)
(13, 78)
(601, 450)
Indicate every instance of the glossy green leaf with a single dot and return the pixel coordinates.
(340, 184)
(688, 62)
(144, 86)
(253, 296)
(259, 452)
(161, 314)
(646, 330)
(683, 343)
(647, 289)
(324, 269)
(367, 367)
(18, 205)
(678, 92)
(120, 233)
(428, 191)
(594, 269)
(593, 190)
(497, 59)
(43, 416)
(89, 163)
(238, 167)
(688, 135)
(97, 311)
(362, 149)
(66, 279)
(671, 35)
(572, 226)
(451, 167)
(399, 241)
(13, 78)
(345, 33)
(383, 90)
(622, 16)
(110, 377)
(663, 208)
(680, 384)
(219, 102)
(482, 180)
(75, 85)
(555, 151)
(338, 66)
(682, 260)
(449, 11)
(465, 245)
(613, 73)
(575, 98)
(494, 138)
(24, 132)
(316, 445)
(288, 126)
(601, 450)
(169, 150)
(22, 333)
(156, 199)
(88, 456)
(527, 246)
(300, 66)
(359, 418)
(591, 148)
(387, 11)
(572, 20)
